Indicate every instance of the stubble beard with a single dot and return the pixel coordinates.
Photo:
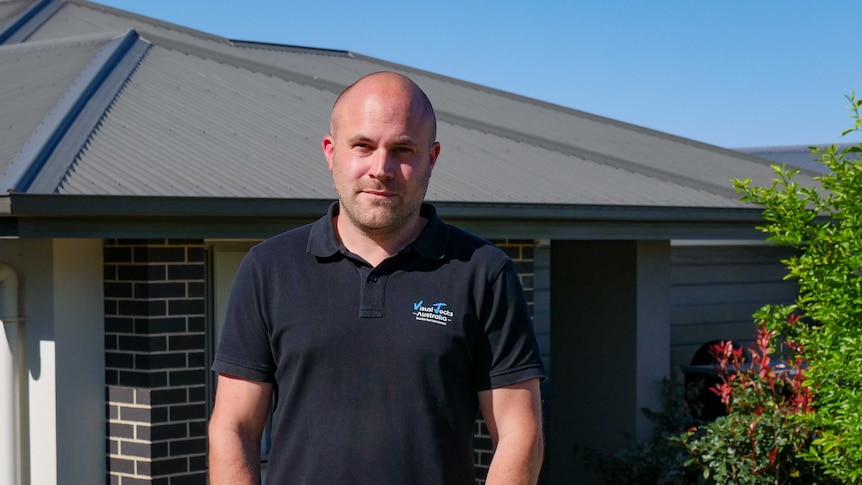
(390, 221)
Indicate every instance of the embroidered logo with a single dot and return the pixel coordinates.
(434, 312)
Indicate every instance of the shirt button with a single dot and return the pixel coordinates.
(373, 278)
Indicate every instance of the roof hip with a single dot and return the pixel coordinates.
(51, 149)
(23, 26)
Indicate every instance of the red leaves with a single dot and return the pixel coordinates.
(773, 455)
(784, 383)
(742, 383)
(793, 319)
(762, 394)
(723, 390)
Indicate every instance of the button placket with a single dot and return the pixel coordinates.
(373, 295)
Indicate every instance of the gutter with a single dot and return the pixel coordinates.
(123, 217)
(23, 205)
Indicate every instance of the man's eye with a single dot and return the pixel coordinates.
(404, 150)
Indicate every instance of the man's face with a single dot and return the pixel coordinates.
(381, 157)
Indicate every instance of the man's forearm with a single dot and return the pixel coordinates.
(233, 459)
(517, 460)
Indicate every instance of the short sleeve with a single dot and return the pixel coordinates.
(507, 352)
(244, 350)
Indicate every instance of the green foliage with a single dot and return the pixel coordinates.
(825, 225)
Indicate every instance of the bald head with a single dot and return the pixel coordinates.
(388, 87)
(381, 150)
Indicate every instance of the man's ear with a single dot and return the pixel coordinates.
(435, 152)
(328, 146)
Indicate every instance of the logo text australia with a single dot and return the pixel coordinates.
(434, 312)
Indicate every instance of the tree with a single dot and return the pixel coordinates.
(824, 224)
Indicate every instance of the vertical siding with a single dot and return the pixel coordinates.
(715, 290)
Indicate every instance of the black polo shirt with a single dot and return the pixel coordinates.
(376, 369)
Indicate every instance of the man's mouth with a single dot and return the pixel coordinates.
(379, 193)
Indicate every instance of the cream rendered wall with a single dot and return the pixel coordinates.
(63, 393)
(79, 326)
(226, 260)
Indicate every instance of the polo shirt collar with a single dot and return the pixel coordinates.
(431, 243)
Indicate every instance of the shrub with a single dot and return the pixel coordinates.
(759, 440)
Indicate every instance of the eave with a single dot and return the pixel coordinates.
(62, 216)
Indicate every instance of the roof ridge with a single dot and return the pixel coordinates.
(236, 59)
(27, 22)
(150, 20)
(47, 155)
(63, 41)
(253, 44)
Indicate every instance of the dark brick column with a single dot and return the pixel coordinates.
(155, 361)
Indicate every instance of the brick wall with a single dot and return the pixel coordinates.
(155, 361)
(522, 253)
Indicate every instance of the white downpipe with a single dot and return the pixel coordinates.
(9, 382)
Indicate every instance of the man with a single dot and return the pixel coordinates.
(381, 329)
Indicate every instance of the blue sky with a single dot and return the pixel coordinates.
(733, 73)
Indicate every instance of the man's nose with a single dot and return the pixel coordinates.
(382, 165)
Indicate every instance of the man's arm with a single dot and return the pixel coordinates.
(238, 419)
(513, 415)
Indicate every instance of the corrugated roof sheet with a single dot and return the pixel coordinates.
(221, 131)
(202, 116)
(536, 122)
(525, 173)
(231, 132)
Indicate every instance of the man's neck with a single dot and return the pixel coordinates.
(375, 247)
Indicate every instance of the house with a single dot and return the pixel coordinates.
(139, 160)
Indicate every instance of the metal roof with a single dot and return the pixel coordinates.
(99, 103)
(798, 156)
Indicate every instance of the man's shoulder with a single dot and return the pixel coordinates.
(287, 243)
(464, 244)
(461, 237)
